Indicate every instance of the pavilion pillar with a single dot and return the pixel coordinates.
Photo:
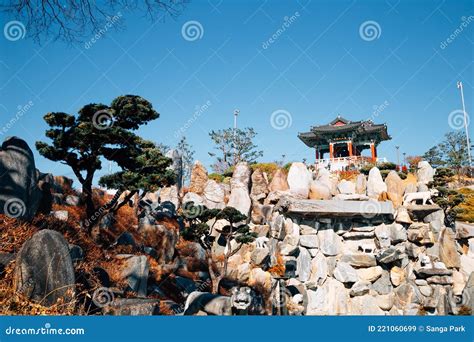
(373, 151)
(331, 150)
(316, 152)
(349, 148)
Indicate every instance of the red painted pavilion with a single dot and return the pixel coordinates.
(345, 140)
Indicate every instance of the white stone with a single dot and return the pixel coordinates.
(319, 269)
(240, 200)
(345, 273)
(361, 184)
(329, 242)
(370, 274)
(382, 232)
(467, 265)
(360, 288)
(330, 299)
(303, 265)
(214, 194)
(299, 179)
(365, 305)
(375, 183)
(309, 241)
(346, 187)
(425, 172)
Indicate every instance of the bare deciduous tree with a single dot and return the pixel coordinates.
(73, 20)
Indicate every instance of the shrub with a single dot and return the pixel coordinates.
(217, 177)
(268, 168)
(366, 169)
(287, 166)
(229, 172)
(348, 175)
(387, 166)
(466, 208)
(384, 173)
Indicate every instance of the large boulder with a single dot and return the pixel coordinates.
(324, 176)
(395, 188)
(44, 270)
(240, 200)
(375, 183)
(303, 265)
(330, 299)
(239, 189)
(136, 272)
(370, 274)
(464, 230)
(299, 179)
(319, 191)
(319, 270)
(447, 249)
(279, 182)
(259, 185)
(366, 305)
(345, 273)
(359, 259)
(424, 172)
(241, 176)
(346, 187)
(19, 194)
(176, 165)
(329, 242)
(198, 178)
(214, 195)
(170, 194)
(468, 293)
(162, 238)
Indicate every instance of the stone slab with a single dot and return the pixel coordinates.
(331, 208)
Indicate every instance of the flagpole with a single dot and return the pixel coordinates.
(460, 87)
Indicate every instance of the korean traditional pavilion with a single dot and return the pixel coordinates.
(345, 140)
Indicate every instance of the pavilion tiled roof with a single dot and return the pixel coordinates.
(340, 125)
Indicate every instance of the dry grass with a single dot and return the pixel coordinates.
(467, 207)
(348, 175)
(13, 233)
(279, 268)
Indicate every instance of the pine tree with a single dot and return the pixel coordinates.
(101, 132)
(446, 198)
(198, 230)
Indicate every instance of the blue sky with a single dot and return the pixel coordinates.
(317, 66)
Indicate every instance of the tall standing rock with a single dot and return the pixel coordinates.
(447, 249)
(425, 172)
(279, 182)
(176, 166)
(259, 185)
(198, 178)
(361, 184)
(375, 183)
(44, 271)
(239, 189)
(395, 188)
(299, 179)
(214, 195)
(19, 194)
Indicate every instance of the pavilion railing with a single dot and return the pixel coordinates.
(345, 161)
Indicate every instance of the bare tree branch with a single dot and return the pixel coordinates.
(75, 20)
